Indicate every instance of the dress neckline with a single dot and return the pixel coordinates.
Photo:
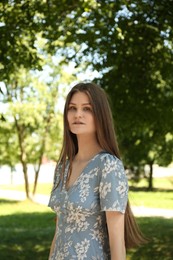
(81, 173)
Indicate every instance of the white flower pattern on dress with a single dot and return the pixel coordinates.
(84, 183)
(76, 219)
(104, 189)
(121, 188)
(82, 248)
(81, 233)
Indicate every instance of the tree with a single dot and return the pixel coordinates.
(20, 24)
(143, 88)
(35, 124)
(130, 44)
(18, 32)
(8, 144)
(33, 116)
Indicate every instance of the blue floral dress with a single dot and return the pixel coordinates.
(82, 233)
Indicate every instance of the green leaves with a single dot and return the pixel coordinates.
(128, 44)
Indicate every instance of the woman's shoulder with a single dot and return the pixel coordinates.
(110, 161)
(110, 165)
(107, 157)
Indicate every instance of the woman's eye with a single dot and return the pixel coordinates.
(72, 108)
(87, 109)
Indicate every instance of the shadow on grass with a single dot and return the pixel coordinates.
(26, 236)
(159, 231)
(5, 201)
(136, 189)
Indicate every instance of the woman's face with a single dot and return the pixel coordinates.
(80, 115)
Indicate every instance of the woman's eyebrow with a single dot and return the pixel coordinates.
(84, 104)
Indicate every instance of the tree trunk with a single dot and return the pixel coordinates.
(39, 165)
(150, 179)
(24, 165)
(35, 182)
(36, 176)
(20, 129)
(41, 153)
(20, 132)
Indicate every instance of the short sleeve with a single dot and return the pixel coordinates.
(113, 190)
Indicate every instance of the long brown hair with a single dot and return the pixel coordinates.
(107, 140)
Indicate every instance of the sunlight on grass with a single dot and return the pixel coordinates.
(42, 188)
(151, 199)
(39, 248)
(161, 197)
(26, 206)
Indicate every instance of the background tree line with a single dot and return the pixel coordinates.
(128, 44)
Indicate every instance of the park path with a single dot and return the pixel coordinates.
(44, 199)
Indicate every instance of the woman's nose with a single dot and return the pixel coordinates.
(78, 113)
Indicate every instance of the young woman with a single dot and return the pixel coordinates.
(90, 192)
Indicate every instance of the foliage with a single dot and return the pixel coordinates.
(129, 44)
(22, 23)
(8, 144)
(18, 27)
(31, 120)
(32, 114)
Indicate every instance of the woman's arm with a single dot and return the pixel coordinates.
(115, 224)
(53, 241)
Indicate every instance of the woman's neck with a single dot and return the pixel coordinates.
(87, 148)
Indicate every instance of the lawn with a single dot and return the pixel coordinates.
(159, 231)
(160, 197)
(155, 199)
(42, 188)
(27, 230)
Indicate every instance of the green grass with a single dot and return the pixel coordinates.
(159, 231)
(26, 232)
(42, 188)
(156, 199)
(160, 197)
